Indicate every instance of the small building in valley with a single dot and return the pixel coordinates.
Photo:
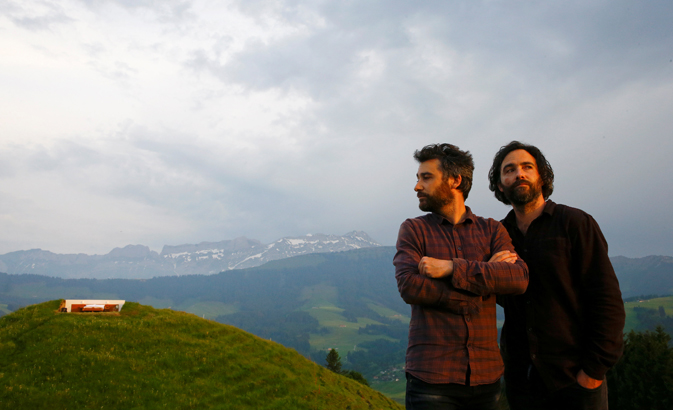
(91, 305)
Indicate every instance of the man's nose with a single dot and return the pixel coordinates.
(418, 187)
(520, 174)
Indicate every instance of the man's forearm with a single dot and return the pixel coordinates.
(435, 268)
(417, 289)
(486, 278)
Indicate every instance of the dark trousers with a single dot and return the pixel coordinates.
(531, 394)
(450, 396)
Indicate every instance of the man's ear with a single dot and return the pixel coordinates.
(456, 182)
(500, 187)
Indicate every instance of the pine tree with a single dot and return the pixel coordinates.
(643, 378)
(333, 361)
(334, 364)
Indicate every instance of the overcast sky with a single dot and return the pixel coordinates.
(168, 122)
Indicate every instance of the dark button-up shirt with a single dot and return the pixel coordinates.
(572, 315)
(453, 323)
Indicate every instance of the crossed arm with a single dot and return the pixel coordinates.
(453, 283)
(439, 268)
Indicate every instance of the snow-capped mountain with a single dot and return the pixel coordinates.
(245, 253)
(139, 262)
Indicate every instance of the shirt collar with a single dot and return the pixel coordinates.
(549, 207)
(469, 216)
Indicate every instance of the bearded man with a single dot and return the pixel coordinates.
(565, 332)
(449, 266)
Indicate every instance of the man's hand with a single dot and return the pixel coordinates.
(435, 268)
(587, 382)
(504, 256)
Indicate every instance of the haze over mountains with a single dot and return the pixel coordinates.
(139, 262)
(638, 276)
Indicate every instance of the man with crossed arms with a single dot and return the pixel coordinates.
(449, 265)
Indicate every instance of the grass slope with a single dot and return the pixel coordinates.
(146, 358)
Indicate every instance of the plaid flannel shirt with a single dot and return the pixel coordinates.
(453, 322)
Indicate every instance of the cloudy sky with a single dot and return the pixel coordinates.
(168, 122)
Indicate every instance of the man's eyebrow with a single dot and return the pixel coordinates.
(424, 174)
(511, 164)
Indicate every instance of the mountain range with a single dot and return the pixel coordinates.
(206, 258)
(651, 275)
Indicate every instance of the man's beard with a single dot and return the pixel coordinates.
(434, 203)
(522, 197)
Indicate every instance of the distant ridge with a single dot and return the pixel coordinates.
(206, 258)
(148, 358)
(651, 275)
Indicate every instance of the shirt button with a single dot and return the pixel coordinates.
(467, 318)
(533, 356)
(530, 330)
(460, 249)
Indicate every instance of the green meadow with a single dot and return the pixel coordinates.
(343, 335)
(631, 318)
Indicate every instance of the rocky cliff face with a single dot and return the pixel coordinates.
(139, 262)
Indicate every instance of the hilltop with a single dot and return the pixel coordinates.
(158, 358)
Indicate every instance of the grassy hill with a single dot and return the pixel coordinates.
(144, 358)
(309, 303)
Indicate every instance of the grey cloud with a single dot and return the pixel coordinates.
(47, 15)
(318, 62)
(607, 41)
(531, 54)
(167, 11)
(604, 42)
(196, 182)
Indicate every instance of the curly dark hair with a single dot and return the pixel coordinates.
(454, 163)
(543, 168)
